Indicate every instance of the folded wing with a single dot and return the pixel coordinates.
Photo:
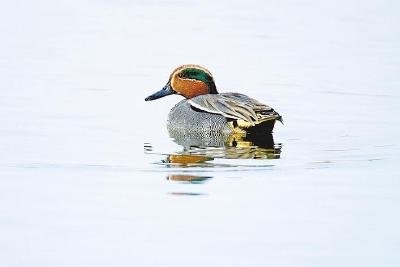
(235, 106)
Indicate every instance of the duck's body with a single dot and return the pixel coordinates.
(207, 112)
(211, 114)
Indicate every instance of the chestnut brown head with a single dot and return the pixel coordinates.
(188, 81)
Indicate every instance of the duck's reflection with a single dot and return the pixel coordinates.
(188, 179)
(194, 179)
(201, 148)
(185, 194)
(199, 151)
(186, 159)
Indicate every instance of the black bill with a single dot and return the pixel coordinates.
(167, 90)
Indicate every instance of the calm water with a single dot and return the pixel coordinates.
(86, 173)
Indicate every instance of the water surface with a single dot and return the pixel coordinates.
(86, 177)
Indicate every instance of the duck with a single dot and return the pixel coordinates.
(206, 112)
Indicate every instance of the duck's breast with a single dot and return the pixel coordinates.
(187, 118)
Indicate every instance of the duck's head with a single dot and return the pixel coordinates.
(188, 81)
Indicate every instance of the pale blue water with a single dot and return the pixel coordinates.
(82, 181)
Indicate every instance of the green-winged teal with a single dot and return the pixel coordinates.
(206, 111)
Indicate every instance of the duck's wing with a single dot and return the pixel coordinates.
(235, 106)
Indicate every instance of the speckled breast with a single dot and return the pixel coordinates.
(183, 117)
